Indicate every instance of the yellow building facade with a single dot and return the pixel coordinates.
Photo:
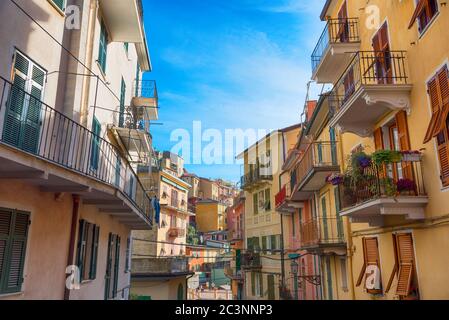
(210, 216)
(262, 226)
(389, 106)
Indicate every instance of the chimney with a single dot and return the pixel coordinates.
(311, 105)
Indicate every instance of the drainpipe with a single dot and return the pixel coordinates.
(282, 224)
(71, 255)
(84, 112)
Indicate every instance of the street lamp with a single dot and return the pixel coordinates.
(294, 270)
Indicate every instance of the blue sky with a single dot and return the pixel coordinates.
(229, 64)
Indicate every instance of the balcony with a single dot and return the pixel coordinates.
(233, 274)
(67, 158)
(318, 162)
(236, 235)
(374, 84)
(323, 235)
(377, 194)
(176, 232)
(255, 179)
(143, 268)
(283, 201)
(335, 48)
(124, 20)
(251, 261)
(145, 102)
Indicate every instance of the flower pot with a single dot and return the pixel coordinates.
(411, 157)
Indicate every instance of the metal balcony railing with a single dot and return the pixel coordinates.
(146, 89)
(160, 265)
(251, 260)
(336, 31)
(403, 178)
(318, 154)
(32, 126)
(322, 231)
(255, 176)
(283, 195)
(368, 68)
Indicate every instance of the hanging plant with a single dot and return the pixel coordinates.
(405, 185)
(335, 179)
(360, 160)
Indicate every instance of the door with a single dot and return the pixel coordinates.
(343, 32)
(24, 106)
(382, 59)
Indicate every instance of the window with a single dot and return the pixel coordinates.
(271, 288)
(126, 46)
(255, 204)
(95, 149)
(257, 284)
(404, 268)
(371, 258)
(23, 114)
(293, 225)
(330, 293)
(112, 267)
(344, 274)
(87, 250)
(424, 12)
(60, 4)
(438, 90)
(103, 50)
(13, 241)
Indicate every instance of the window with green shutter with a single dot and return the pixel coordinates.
(87, 250)
(340, 228)
(253, 284)
(103, 49)
(324, 222)
(268, 200)
(60, 4)
(264, 244)
(112, 267)
(126, 45)
(330, 290)
(95, 144)
(128, 255)
(271, 287)
(261, 293)
(255, 204)
(138, 84)
(13, 240)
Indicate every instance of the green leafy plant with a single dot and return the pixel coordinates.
(382, 157)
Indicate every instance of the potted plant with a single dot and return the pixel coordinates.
(382, 157)
(411, 156)
(388, 186)
(335, 179)
(406, 186)
(360, 160)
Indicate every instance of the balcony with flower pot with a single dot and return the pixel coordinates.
(373, 85)
(381, 185)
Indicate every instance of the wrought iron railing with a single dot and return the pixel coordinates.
(322, 231)
(160, 265)
(403, 178)
(318, 154)
(368, 68)
(146, 89)
(336, 31)
(34, 127)
(251, 260)
(257, 175)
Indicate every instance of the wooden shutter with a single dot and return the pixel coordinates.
(264, 244)
(271, 293)
(14, 247)
(404, 142)
(406, 263)
(378, 139)
(5, 227)
(381, 46)
(261, 284)
(81, 254)
(370, 257)
(419, 8)
(396, 265)
(435, 121)
(60, 4)
(116, 266)
(268, 199)
(93, 267)
(255, 204)
(343, 26)
(121, 121)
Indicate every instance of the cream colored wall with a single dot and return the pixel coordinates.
(207, 217)
(48, 242)
(159, 290)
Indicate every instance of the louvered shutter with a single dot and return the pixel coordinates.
(5, 227)
(13, 123)
(406, 263)
(404, 142)
(31, 126)
(268, 199)
(435, 121)
(340, 227)
(16, 253)
(264, 244)
(81, 254)
(419, 7)
(255, 204)
(108, 276)
(116, 265)
(372, 256)
(378, 139)
(60, 4)
(93, 267)
(121, 122)
(261, 284)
